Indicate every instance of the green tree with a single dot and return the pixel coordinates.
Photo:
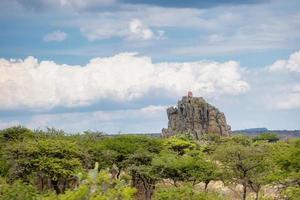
(117, 150)
(286, 157)
(143, 174)
(16, 133)
(244, 164)
(180, 145)
(54, 159)
(98, 186)
(132, 154)
(193, 167)
(184, 192)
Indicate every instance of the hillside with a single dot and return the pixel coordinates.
(257, 131)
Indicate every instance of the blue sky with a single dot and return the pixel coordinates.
(116, 65)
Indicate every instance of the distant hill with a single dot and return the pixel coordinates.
(257, 131)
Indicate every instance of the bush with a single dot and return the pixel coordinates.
(17, 191)
(292, 193)
(16, 133)
(270, 137)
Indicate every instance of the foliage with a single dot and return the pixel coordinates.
(270, 137)
(292, 193)
(117, 151)
(185, 192)
(4, 166)
(48, 158)
(191, 168)
(53, 165)
(17, 191)
(244, 164)
(100, 187)
(286, 157)
(15, 133)
(179, 145)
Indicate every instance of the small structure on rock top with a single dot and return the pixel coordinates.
(194, 115)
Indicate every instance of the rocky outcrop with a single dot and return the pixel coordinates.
(194, 115)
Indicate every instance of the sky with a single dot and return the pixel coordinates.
(116, 65)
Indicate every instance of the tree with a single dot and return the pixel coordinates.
(97, 186)
(184, 192)
(54, 159)
(16, 133)
(245, 165)
(132, 154)
(203, 170)
(143, 174)
(286, 157)
(179, 144)
(192, 167)
(118, 149)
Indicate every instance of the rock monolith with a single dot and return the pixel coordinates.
(194, 115)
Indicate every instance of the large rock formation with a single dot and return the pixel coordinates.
(194, 115)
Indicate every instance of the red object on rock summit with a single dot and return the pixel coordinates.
(190, 94)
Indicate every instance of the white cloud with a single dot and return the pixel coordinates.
(62, 5)
(151, 118)
(123, 77)
(290, 98)
(56, 36)
(219, 30)
(276, 87)
(103, 28)
(232, 28)
(108, 26)
(141, 22)
(290, 65)
(139, 30)
(82, 4)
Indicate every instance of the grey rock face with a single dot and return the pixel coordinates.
(194, 115)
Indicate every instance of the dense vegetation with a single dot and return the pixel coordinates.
(53, 165)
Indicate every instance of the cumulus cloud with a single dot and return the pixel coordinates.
(56, 36)
(290, 99)
(211, 31)
(83, 4)
(107, 27)
(151, 118)
(290, 65)
(62, 5)
(123, 77)
(278, 85)
(139, 30)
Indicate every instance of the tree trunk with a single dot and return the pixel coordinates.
(206, 185)
(256, 196)
(256, 188)
(119, 173)
(175, 183)
(55, 186)
(144, 187)
(141, 192)
(149, 192)
(244, 191)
